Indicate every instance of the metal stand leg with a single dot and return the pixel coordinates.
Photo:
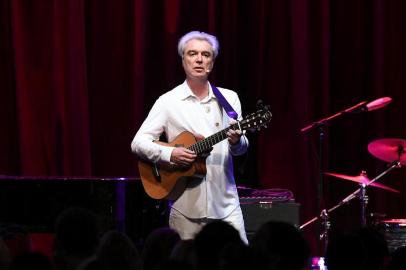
(326, 227)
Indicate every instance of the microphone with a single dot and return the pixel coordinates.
(370, 106)
(378, 103)
(208, 70)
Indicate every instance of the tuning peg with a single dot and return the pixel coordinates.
(260, 104)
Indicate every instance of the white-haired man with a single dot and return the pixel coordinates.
(192, 106)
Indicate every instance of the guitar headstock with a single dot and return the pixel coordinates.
(258, 119)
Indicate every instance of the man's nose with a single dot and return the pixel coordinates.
(199, 58)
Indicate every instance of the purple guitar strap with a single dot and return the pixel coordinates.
(224, 103)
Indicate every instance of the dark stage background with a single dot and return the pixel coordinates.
(78, 77)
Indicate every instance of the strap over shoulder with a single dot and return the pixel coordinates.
(224, 103)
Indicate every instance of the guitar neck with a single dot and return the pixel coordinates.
(254, 121)
(207, 143)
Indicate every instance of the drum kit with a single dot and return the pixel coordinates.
(390, 150)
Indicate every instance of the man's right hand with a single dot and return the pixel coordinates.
(183, 157)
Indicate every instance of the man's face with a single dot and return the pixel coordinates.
(198, 59)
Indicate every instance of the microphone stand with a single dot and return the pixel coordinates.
(320, 127)
(323, 121)
(360, 192)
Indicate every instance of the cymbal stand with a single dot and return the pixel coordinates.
(360, 192)
(326, 227)
(364, 202)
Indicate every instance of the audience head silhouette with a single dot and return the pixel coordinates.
(346, 251)
(158, 247)
(76, 238)
(117, 252)
(280, 245)
(212, 240)
(184, 251)
(376, 247)
(398, 260)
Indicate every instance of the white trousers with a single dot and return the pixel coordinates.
(189, 227)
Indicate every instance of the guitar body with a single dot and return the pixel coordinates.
(168, 181)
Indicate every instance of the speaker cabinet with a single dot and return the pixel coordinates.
(259, 212)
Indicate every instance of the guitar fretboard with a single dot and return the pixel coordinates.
(252, 121)
(207, 143)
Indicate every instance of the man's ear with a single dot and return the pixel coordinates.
(212, 64)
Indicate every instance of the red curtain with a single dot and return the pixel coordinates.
(78, 77)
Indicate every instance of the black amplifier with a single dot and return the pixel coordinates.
(259, 210)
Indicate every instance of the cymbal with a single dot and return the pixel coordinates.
(362, 179)
(389, 150)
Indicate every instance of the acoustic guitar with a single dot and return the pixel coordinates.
(168, 181)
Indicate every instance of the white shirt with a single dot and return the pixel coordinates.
(215, 196)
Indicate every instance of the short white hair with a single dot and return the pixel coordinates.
(212, 40)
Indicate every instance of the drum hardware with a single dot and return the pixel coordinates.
(389, 150)
(325, 223)
(376, 218)
(394, 231)
(319, 125)
(360, 193)
(363, 181)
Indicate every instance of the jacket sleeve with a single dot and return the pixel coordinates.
(151, 129)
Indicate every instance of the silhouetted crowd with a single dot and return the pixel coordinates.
(78, 245)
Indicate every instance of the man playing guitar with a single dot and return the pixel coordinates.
(193, 107)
